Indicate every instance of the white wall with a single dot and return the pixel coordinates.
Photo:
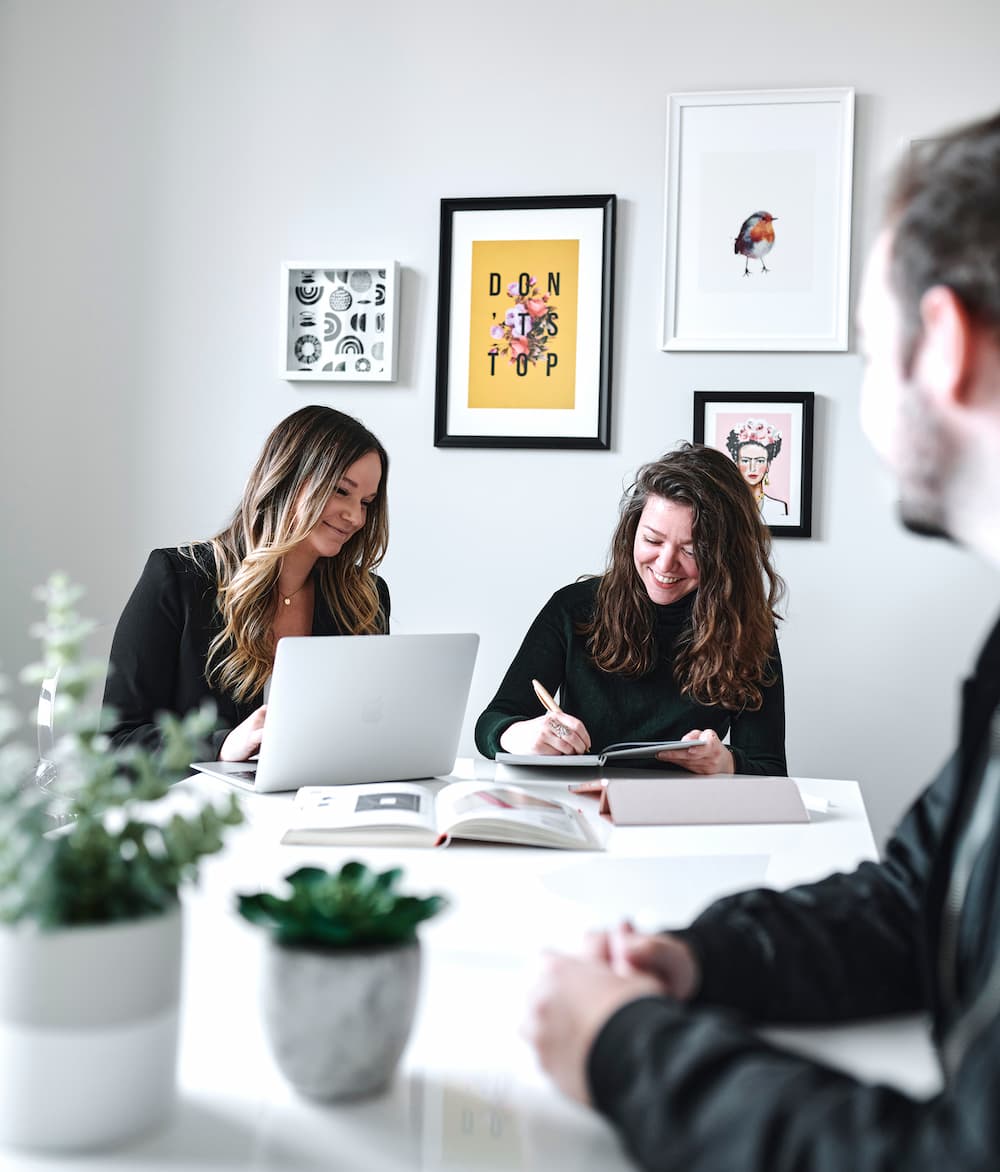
(161, 159)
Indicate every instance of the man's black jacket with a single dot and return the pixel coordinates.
(696, 1089)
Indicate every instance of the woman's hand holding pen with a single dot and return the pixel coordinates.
(555, 733)
(546, 736)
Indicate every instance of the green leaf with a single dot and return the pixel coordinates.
(351, 907)
(306, 878)
(112, 858)
(389, 879)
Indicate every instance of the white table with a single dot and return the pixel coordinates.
(469, 1094)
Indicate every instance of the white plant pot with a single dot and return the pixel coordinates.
(88, 1032)
(338, 1019)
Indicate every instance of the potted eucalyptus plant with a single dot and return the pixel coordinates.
(91, 866)
(341, 976)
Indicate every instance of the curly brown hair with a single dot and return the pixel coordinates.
(724, 657)
(306, 455)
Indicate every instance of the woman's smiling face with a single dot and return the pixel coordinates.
(663, 550)
(347, 509)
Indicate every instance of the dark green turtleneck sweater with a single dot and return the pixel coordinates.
(626, 708)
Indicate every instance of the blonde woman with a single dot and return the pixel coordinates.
(298, 558)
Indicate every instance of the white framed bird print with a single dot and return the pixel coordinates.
(757, 232)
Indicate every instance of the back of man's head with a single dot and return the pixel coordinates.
(944, 212)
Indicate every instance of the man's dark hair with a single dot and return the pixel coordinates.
(944, 211)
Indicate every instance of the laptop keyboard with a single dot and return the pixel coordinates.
(243, 774)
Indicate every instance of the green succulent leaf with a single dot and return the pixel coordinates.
(349, 908)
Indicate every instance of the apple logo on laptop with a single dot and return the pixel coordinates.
(371, 710)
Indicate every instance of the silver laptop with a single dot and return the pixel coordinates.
(366, 708)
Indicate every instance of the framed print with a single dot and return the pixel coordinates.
(525, 296)
(757, 240)
(769, 436)
(340, 322)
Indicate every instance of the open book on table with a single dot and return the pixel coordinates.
(622, 751)
(403, 813)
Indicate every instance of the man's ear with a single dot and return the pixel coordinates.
(945, 357)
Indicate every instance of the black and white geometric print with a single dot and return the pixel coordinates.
(333, 324)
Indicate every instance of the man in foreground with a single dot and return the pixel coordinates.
(644, 1029)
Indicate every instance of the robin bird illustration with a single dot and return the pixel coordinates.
(755, 239)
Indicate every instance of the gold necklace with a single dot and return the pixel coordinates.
(287, 598)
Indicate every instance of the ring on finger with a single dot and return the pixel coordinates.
(561, 730)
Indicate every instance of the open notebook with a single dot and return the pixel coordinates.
(622, 751)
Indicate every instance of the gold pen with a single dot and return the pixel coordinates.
(550, 705)
(547, 701)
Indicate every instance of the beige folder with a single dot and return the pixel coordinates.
(701, 801)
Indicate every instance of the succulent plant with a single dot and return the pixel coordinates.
(353, 907)
(115, 852)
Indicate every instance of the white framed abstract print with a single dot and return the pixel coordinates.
(340, 322)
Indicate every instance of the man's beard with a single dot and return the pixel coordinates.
(920, 524)
(926, 470)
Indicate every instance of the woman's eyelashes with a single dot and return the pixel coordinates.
(656, 540)
(341, 491)
(344, 492)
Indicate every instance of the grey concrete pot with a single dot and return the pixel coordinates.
(338, 1019)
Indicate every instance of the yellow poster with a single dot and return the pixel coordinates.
(523, 322)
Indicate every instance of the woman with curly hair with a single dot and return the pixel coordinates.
(676, 640)
(298, 557)
(753, 445)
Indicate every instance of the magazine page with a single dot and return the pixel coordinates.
(505, 813)
(378, 812)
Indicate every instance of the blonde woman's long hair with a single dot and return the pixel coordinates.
(725, 657)
(299, 468)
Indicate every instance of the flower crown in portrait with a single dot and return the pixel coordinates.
(754, 431)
